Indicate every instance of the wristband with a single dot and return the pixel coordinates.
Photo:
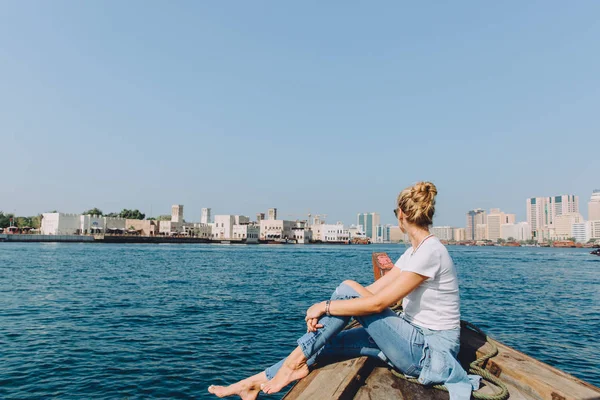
(327, 304)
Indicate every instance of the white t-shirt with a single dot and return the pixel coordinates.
(435, 303)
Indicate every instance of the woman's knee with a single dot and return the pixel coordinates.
(346, 289)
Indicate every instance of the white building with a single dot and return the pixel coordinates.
(223, 228)
(356, 232)
(302, 235)
(89, 224)
(177, 213)
(60, 224)
(520, 231)
(205, 218)
(382, 233)
(443, 232)
(594, 206)
(459, 234)
(581, 231)
(331, 233)
(247, 233)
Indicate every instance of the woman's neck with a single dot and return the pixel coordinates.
(416, 235)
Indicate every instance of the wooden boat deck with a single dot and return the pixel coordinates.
(367, 379)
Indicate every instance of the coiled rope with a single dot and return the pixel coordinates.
(476, 367)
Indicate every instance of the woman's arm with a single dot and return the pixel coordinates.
(400, 284)
(384, 280)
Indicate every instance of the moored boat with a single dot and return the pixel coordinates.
(508, 373)
(596, 252)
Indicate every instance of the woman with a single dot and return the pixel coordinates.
(421, 342)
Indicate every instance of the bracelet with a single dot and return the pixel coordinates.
(327, 304)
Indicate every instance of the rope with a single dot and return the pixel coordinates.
(474, 368)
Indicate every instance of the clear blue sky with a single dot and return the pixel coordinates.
(331, 107)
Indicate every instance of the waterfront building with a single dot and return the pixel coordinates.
(272, 214)
(205, 218)
(60, 224)
(248, 232)
(223, 228)
(495, 219)
(90, 224)
(594, 230)
(481, 232)
(443, 232)
(459, 234)
(382, 233)
(474, 217)
(302, 235)
(581, 231)
(177, 213)
(332, 233)
(541, 211)
(144, 227)
(202, 230)
(516, 231)
(276, 229)
(594, 206)
(563, 225)
(369, 221)
(260, 217)
(396, 235)
(168, 228)
(356, 232)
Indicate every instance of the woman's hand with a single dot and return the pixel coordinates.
(312, 316)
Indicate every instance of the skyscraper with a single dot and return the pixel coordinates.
(205, 218)
(541, 211)
(369, 221)
(474, 217)
(594, 206)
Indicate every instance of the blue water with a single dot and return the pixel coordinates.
(165, 321)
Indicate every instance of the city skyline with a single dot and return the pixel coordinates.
(241, 110)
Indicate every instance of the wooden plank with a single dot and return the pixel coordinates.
(337, 381)
(383, 385)
(530, 376)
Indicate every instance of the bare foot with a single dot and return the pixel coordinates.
(293, 368)
(246, 389)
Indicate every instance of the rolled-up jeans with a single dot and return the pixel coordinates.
(384, 335)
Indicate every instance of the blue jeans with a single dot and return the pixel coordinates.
(384, 335)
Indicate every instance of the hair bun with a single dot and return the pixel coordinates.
(418, 203)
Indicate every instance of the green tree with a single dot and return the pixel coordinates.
(132, 214)
(164, 218)
(93, 211)
(572, 239)
(500, 241)
(112, 215)
(5, 219)
(511, 239)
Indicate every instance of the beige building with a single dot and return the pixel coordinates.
(273, 229)
(459, 234)
(594, 227)
(145, 227)
(563, 224)
(475, 217)
(272, 214)
(205, 218)
(302, 235)
(396, 235)
(223, 226)
(249, 233)
(594, 206)
(495, 219)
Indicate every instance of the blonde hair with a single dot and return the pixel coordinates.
(417, 202)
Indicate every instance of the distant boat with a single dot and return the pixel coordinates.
(596, 252)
